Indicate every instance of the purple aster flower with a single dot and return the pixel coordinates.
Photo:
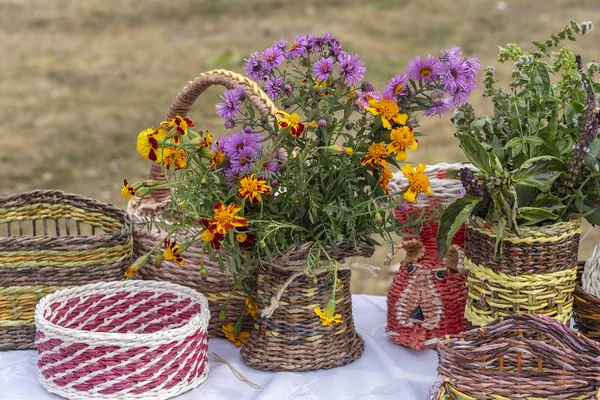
(248, 129)
(316, 43)
(459, 96)
(352, 70)
(254, 67)
(282, 44)
(473, 65)
(426, 70)
(335, 48)
(273, 87)
(396, 87)
(403, 207)
(448, 55)
(298, 47)
(457, 76)
(439, 106)
(242, 161)
(322, 122)
(272, 57)
(269, 169)
(233, 144)
(231, 103)
(322, 68)
(364, 97)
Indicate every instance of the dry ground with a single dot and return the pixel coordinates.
(79, 79)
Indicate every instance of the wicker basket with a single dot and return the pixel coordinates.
(122, 340)
(292, 338)
(217, 287)
(586, 310)
(522, 357)
(535, 275)
(51, 240)
(426, 299)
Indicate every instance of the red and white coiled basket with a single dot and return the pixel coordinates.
(122, 340)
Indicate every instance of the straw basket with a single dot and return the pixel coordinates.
(122, 340)
(217, 287)
(586, 310)
(522, 357)
(427, 298)
(288, 335)
(535, 275)
(51, 240)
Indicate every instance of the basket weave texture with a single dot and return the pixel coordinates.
(586, 310)
(293, 338)
(51, 240)
(522, 357)
(535, 275)
(441, 301)
(217, 287)
(122, 340)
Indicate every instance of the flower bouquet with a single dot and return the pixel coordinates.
(294, 191)
(538, 177)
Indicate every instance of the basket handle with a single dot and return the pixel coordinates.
(185, 100)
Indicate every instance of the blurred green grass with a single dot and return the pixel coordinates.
(80, 79)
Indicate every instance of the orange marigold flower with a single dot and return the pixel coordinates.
(238, 340)
(401, 139)
(376, 156)
(251, 187)
(175, 157)
(291, 121)
(180, 123)
(389, 111)
(418, 182)
(218, 156)
(251, 308)
(172, 252)
(210, 236)
(384, 179)
(127, 191)
(225, 219)
(148, 146)
(206, 142)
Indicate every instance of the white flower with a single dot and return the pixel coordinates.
(586, 26)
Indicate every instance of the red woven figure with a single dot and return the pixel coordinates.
(426, 300)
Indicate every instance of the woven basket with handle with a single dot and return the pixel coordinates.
(217, 287)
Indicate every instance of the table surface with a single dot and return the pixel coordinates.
(385, 370)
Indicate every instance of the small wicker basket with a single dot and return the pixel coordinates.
(122, 340)
(522, 357)
(586, 310)
(217, 286)
(51, 240)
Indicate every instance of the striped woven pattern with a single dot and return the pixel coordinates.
(522, 357)
(218, 287)
(128, 339)
(586, 310)
(51, 240)
(535, 275)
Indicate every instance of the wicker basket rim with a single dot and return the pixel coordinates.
(133, 286)
(118, 213)
(583, 295)
(555, 229)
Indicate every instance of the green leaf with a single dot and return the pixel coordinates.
(545, 79)
(451, 220)
(499, 239)
(591, 162)
(535, 215)
(476, 153)
(539, 172)
(594, 217)
(595, 147)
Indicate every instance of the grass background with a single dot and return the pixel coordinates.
(79, 79)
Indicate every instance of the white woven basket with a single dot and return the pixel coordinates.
(122, 340)
(590, 279)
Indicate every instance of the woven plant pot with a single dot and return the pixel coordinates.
(217, 287)
(51, 240)
(535, 275)
(426, 299)
(586, 310)
(522, 357)
(292, 338)
(122, 340)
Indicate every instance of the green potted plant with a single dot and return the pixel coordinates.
(537, 178)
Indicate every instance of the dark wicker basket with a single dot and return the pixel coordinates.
(51, 240)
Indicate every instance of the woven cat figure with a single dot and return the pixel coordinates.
(426, 300)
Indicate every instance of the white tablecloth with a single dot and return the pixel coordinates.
(385, 371)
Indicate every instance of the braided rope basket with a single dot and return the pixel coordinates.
(586, 310)
(51, 240)
(535, 275)
(217, 286)
(122, 340)
(442, 308)
(522, 357)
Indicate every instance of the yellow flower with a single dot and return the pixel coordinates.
(376, 155)
(207, 236)
(181, 123)
(131, 271)
(207, 142)
(225, 219)
(251, 187)
(172, 252)
(241, 237)
(238, 340)
(148, 146)
(218, 157)
(418, 182)
(389, 111)
(292, 121)
(402, 138)
(328, 317)
(384, 179)
(175, 157)
(127, 191)
(251, 308)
